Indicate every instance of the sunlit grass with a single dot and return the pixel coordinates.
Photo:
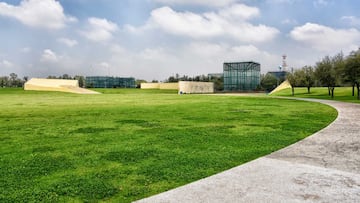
(340, 93)
(129, 144)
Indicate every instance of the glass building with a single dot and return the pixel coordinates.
(241, 76)
(109, 82)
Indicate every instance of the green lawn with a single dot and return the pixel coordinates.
(340, 93)
(128, 144)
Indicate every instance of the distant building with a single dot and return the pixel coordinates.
(280, 75)
(241, 76)
(109, 82)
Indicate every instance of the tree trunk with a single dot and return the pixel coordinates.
(329, 90)
(292, 90)
(358, 91)
(353, 89)
(308, 89)
(332, 92)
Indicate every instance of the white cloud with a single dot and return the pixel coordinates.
(67, 42)
(225, 52)
(320, 3)
(49, 56)
(227, 22)
(289, 22)
(37, 13)
(351, 20)
(325, 38)
(240, 12)
(104, 65)
(6, 64)
(187, 23)
(26, 49)
(281, 1)
(212, 3)
(99, 29)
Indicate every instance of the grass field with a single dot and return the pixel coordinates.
(128, 144)
(340, 93)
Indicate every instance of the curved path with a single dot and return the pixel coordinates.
(324, 167)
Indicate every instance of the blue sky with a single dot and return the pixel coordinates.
(154, 39)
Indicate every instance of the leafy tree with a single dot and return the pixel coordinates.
(309, 74)
(172, 79)
(81, 80)
(268, 82)
(351, 71)
(13, 80)
(292, 78)
(306, 77)
(138, 82)
(65, 76)
(328, 71)
(218, 83)
(4, 81)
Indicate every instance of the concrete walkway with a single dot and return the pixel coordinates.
(324, 167)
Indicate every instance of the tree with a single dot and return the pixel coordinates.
(305, 77)
(309, 77)
(268, 82)
(218, 83)
(4, 81)
(13, 80)
(328, 71)
(172, 79)
(351, 71)
(292, 78)
(138, 82)
(81, 80)
(65, 76)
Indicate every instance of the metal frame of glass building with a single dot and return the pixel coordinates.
(109, 82)
(241, 76)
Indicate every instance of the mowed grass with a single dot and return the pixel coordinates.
(129, 144)
(340, 93)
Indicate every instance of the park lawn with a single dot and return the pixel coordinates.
(129, 144)
(340, 93)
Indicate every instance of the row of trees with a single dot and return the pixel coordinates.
(12, 80)
(331, 71)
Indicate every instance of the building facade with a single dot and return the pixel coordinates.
(280, 75)
(241, 76)
(109, 82)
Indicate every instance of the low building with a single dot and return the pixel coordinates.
(149, 85)
(280, 75)
(162, 86)
(109, 82)
(190, 87)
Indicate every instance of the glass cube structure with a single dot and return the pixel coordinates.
(241, 76)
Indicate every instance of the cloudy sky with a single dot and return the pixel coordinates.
(154, 39)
